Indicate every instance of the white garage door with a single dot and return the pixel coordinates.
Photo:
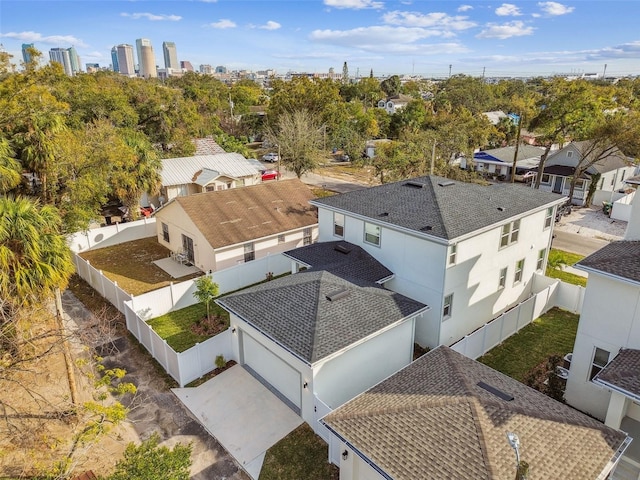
(282, 376)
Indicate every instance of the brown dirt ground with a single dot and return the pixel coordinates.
(135, 272)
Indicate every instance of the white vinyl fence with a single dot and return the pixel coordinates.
(554, 294)
(107, 288)
(112, 235)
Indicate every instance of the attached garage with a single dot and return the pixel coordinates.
(273, 369)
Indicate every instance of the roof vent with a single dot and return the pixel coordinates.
(498, 393)
(501, 209)
(448, 183)
(383, 214)
(342, 248)
(415, 184)
(338, 294)
(428, 228)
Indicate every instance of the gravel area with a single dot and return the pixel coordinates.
(591, 222)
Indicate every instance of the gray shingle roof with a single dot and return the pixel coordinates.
(432, 420)
(446, 212)
(623, 371)
(295, 312)
(612, 160)
(620, 258)
(343, 259)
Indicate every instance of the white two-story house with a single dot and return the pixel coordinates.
(604, 377)
(468, 251)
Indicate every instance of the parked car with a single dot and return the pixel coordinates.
(270, 175)
(525, 176)
(270, 157)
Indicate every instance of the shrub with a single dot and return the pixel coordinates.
(220, 361)
(543, 378)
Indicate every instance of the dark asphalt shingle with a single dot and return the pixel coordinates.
(295, 312)
(623, 371)
(441, 208)
(620, 258)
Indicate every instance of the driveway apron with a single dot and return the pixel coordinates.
(242, 414)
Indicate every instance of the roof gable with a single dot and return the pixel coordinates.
(621, 259)
(440, 207)
(423, 420)
(316, 313)
(612, 157)
(238, 215)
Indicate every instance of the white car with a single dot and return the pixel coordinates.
(270, 157)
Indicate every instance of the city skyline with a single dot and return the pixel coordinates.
(434, 38)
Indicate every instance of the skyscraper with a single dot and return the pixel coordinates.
(26, 56)
(146, 58)
(126, 64)
(61, 56)
(170, 56)
(114, 59)
(186, 65)
(74, 59)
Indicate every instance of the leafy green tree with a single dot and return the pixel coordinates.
(391, 86)
(148, 461)
(206, 291)
(9, 168)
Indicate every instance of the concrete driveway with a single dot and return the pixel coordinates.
(242, 414)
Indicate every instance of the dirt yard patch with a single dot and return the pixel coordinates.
(131, 265)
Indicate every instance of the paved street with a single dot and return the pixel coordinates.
(576, 243)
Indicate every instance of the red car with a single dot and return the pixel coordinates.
(270, 175)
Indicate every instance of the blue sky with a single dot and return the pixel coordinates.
(390, 37)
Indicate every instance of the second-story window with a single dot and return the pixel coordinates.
(165, 232)
(372, 234)
(502, 279)
(453, 251)
(338, 224)
(540, 262)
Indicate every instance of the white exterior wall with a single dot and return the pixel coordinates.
(179, 223)
(341, 378)
(610, 320)
(419, 266)
(306, 401)
(233, 255)
(474, 278)
(353, 467)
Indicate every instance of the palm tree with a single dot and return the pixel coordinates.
(34, 259)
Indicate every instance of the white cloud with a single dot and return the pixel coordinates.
(465, 8)
(555, 8)
(429, 20)
(223, 23)
(270, 25)
(507, 30)
(379, 39)
(151, 16)
(508, 10)
(354, 4)
(31, 37)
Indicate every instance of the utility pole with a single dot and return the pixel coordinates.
(604, 73)
(433, 157)
(515, 154)
(449, 70)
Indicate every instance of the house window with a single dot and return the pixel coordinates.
(165, 232)
(569, 154)
(622, 178)
(613, 181)
(306, 236)
(517, 277)
(447, 307)
(281, 238)
(249, 252)
(580, 184)
(502, 279)
(372, 234)
(600, 359)
(453, 250)
(210, 188)
(548, 218)
(510, 232)
(546, 179)
(541, 255)
(338, 225)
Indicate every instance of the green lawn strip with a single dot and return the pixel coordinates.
(175, 327)
(552, 333)
(567, 277)
(301, 454)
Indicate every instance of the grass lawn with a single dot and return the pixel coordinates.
(567, 258)
(175, 327)
(131, 265)
(299, 455)
(554, 332)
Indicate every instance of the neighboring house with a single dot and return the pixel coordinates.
(395, 103)
(468, 251)
(322, 336)
(205, 173)
(216, 230)
(499, 161)
(560, 167)
(446, 416)
(371, 145)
